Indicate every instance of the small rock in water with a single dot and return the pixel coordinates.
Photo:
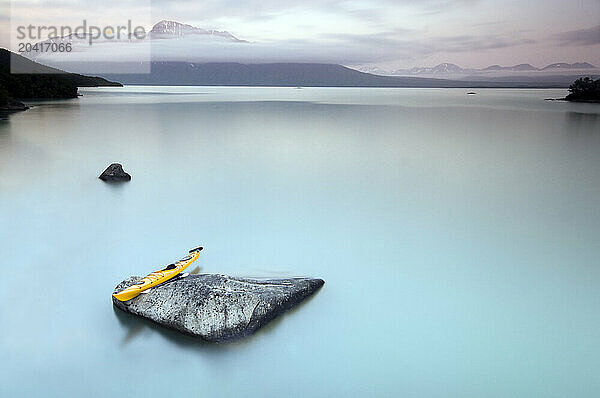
(114, 173)
(217, 308)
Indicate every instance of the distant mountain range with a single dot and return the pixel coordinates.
(520, 67)
(453, 70)
(290, 75)
(564, 65)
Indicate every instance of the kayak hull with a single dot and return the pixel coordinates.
(158, 277)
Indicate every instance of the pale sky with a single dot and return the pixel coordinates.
(388, 33)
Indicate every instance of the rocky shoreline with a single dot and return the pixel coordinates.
(13, 106)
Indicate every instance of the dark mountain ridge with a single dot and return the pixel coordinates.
(25, 79)
(285, 75)
(36, 81)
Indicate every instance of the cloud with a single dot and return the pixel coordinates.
(581, 37)
(438, 6)
(372, 11)
(403, 43)
(472, 43)
(346, 49)
(355, 32)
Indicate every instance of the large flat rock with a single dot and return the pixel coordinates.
(217, 307)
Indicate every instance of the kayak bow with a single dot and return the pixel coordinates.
(158, 277)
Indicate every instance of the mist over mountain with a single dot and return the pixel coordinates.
(171, 30)
(178, 53)
(520, 67)
(564, 65)
(556, 74)
(450, 70)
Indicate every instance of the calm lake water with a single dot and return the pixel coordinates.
(459, 238)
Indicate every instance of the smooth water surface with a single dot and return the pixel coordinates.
(459, 238)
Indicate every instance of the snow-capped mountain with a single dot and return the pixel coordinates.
(374, 70)
(167, 40)
(172, 29)
(441, 69)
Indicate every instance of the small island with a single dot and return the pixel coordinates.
(584, 89)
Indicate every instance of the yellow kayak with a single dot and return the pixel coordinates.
(158, 277)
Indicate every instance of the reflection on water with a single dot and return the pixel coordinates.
(136, 327)
(458, 237)
(5, 116)
(133, 325)
(583, 123)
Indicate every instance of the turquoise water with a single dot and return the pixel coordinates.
(458, 236)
